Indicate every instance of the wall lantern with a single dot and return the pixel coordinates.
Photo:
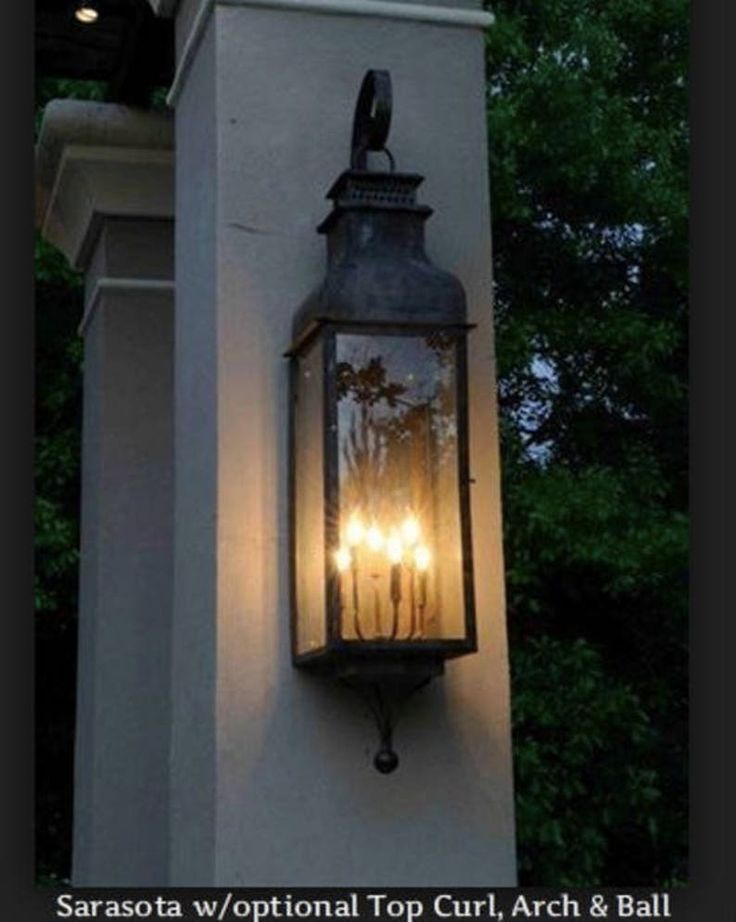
(382, 581)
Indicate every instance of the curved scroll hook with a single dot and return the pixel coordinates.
(372, 119)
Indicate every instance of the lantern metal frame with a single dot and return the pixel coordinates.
(395, 292)
(373, 660)
(396, 299)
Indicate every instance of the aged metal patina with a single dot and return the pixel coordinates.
(379, 361)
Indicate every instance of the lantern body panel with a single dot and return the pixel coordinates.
(310, 634)
(382, 572)
(399, 557)
(382, 554)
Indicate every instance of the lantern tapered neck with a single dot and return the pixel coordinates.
(375, 213)
(377, 269)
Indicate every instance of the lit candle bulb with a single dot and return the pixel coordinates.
(374, 538)
(422, 558)
(355, 532)
(410, 530)
(394, 548)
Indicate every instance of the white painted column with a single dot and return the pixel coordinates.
(105, 176)
(272, 781)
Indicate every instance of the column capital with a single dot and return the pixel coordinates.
(195, 16)
(96, 160)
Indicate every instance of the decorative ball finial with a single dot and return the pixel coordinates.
(386, 761)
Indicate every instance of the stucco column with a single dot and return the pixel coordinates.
(272, 781)
(105, 180)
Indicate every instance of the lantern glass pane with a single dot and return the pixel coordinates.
(309, 506)
(400, 556)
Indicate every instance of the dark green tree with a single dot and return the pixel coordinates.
(587, 107)
(58, 423)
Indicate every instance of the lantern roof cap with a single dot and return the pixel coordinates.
(373, 190)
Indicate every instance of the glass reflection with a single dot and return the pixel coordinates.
(399, 559)
(309, 511)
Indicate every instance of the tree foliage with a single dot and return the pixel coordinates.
(58, 423)
(586, 109)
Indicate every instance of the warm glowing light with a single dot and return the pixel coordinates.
(86, 14)
(355, 532)
(342, 559)
(410, 530)
(394, 548)
(374, 538)
(422, 558)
